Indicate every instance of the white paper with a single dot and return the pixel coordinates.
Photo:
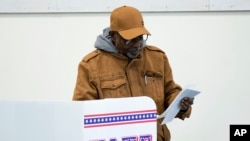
(170, 113)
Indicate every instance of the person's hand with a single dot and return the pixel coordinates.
(186, 103)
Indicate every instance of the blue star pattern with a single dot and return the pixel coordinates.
(111, 119)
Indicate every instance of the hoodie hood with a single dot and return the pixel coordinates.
(104, 42)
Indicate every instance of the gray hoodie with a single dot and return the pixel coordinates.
(104, 42)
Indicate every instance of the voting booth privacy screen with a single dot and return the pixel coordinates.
(116, 119)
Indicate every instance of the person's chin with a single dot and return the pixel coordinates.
(133, 54)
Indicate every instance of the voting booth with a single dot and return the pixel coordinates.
(115, 119)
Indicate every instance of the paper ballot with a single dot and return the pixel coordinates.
(170, 113)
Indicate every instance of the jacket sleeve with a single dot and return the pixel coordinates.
(172, 89)
(84, 88)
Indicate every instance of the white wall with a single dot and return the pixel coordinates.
(39, 55)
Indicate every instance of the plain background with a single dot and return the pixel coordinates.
(39, 56)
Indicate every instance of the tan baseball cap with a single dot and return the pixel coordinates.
(128, 22)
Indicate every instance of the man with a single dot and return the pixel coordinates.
(124, 66)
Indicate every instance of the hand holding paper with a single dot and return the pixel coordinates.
(170, 113)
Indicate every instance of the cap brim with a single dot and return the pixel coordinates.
(134, 32)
